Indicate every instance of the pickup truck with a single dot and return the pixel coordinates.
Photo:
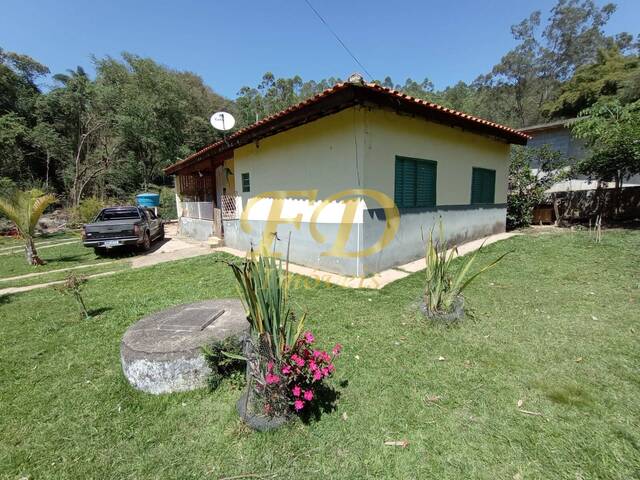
(123, 226)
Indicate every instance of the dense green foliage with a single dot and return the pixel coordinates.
(555, 326)
(612, 133)
(111, 136)
(527, 185)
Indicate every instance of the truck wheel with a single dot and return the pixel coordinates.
(146, 243)
(161, 236)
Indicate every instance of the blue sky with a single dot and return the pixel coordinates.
(232, 43)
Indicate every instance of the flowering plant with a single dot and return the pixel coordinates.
(300, 374)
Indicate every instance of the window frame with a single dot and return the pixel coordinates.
(245, 176)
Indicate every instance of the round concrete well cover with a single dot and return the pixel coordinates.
(162, 353)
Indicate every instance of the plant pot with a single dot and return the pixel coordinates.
(456, 314)
(258, 422)
(251, 404)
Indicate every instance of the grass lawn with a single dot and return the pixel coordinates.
(557, 325)
(57, 256)
(9, 241)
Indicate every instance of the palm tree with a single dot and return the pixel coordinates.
(24, 208)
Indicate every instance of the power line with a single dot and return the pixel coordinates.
(339, 40)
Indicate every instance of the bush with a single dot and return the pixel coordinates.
(88, 210)
(526, 188)
(224, 366)
(167, 208)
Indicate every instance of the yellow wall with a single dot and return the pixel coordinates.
(388, 134)
(230, 180)
(317, 155)
(356, 148)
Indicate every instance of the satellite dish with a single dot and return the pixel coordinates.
(222, 121)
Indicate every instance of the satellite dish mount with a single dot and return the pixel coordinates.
(222, 121)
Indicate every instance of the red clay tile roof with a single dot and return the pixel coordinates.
(351, 94)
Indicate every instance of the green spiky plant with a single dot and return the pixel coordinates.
(443, 284)
(263, 284)
(24, 208)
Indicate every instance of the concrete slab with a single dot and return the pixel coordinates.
(162, 353)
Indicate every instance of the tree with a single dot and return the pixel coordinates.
(612, 133)
(613, 75)
(24, 209)
(531, 73)
(527, 185)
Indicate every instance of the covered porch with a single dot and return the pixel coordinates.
(205, 194)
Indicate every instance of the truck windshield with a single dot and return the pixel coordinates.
(118, 214)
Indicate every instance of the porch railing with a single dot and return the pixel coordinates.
(199, 210)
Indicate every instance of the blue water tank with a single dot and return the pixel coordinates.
(148, 199)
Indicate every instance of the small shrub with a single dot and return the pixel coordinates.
(222, 359)
(443, 284)
(73, 286)
(526, 188)
(88, 209)
(167, 208)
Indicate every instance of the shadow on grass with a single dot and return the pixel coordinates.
(570, 394)
(326, 399)
(99, 311)
(66, 258)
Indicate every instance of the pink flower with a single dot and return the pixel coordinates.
(336, 350)
(312, 366)
(317, 375)
(269, 366)
(298, 360)
(325, 371)
(316, 353)
(308, 395)
(298, 405)
(286, 369)
(331, 368)
(296, 391)
(271, 378)
(308, 337)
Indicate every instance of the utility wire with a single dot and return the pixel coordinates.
(339, 40)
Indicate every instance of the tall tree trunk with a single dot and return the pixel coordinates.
(46, 178)
(30, 252)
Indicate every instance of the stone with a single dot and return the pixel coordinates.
(162, 353)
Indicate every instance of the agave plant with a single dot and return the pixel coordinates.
(444, 285)
(24, 209)
(264, 288)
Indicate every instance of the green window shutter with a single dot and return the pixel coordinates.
(425, 184)
(483, 186)
(415, 182)
(246, 183)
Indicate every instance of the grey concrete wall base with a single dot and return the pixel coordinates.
(196, 228)
(462, 223)
(162, 353)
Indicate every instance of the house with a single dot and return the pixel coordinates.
(557, 135)
(350, 181)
